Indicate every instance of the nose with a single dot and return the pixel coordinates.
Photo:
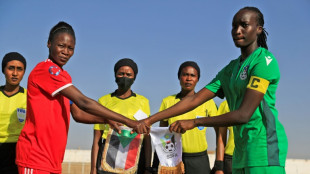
(14, 72)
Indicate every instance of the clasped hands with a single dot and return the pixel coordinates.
(144, 126)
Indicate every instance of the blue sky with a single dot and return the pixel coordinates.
(160, 35)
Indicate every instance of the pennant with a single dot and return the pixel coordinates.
(168, 146)
(121, 151)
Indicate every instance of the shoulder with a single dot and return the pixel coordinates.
(141, 97)
(170, 97)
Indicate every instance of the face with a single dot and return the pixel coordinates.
(14, 72)
(61, 48)
(188, 78)
(245, 29)
(125, 71)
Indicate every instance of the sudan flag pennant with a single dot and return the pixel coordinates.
(121, 151)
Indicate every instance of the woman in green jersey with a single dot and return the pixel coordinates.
(249, 84)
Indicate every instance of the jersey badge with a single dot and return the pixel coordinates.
(243, 74)
(21, 114)
(54, 70)
(268, 59)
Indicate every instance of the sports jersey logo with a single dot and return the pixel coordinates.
(21, 114)
(268, 59)
(168, 143)
(243, 74)
(54, 70)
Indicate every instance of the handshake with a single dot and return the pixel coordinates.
(144, 126)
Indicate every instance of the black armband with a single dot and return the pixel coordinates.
(219, 165)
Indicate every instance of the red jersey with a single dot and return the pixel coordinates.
(42, 142)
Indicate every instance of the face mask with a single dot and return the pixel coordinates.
(124, 83)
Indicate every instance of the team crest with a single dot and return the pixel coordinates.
(54, 70)
(244, 73)
(168, 143)
(21, 114)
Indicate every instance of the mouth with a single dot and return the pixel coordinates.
(188, 84)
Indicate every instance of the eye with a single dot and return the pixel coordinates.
(244, 25)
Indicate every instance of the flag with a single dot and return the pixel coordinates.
(168, 146)
(121, 151)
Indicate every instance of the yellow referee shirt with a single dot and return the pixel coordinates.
(127, 107)
(12, 115)
(194, 140)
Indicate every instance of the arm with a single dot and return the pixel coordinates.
(186, 104)
(242, 115)
(94, 150)
(92, 107)
(221, 135)
(83, 117)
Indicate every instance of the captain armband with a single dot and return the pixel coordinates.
(258, 84)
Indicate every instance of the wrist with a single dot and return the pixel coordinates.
(219, 165)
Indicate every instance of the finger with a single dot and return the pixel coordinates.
(117, 128)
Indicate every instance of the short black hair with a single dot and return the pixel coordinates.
(13, 56)
(189, 63)
(61, 27)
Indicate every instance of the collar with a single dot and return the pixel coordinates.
(178, 96)
(132, 95)
(21, 90)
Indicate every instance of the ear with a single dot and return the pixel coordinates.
(259, 30)
(49, 44)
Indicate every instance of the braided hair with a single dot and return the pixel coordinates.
(61, 27)
(262, 38)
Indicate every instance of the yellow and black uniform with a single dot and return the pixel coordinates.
(12, 120)
(194, 142)
(127, 107)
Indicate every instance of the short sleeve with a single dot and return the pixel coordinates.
(52, 79)
(212, 108)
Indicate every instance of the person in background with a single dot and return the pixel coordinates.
(249, 84)
(123, 101)
(194, 142)
(224, 149)
(12, 110)
(42, 142)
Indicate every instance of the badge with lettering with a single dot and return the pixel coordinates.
(243, 74)
(21, 114)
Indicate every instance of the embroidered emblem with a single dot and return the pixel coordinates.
(21, 114)
(268, 59)
(243, 74)
(54, 70)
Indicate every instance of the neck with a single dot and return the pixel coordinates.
(246, 51)
(123, 94)
(10, 89)
(185, 93)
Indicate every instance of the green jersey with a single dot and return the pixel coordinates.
(262, 141)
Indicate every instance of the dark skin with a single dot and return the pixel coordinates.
(188, 80)
(124, 71)
(245, 32)
(61, 49)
